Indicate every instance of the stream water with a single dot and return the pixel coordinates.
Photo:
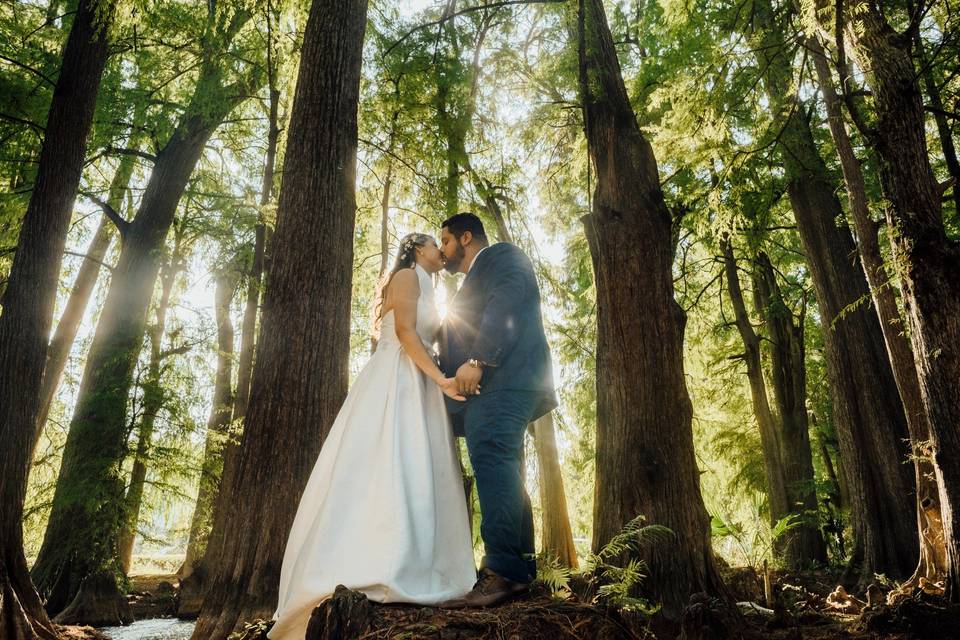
(152, 629)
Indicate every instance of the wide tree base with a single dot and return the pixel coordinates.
(99, 603)
(15, 622)
(192, 590)
(21, 615)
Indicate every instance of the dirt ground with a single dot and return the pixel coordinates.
(801, 611)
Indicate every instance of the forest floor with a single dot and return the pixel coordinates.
(804, 614)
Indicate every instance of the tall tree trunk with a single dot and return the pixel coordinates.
(385, 217)
(834, 499)
(66, 333)
(932, 561)
(194, 588)
(29, 297)
(388, 189)
(805, 544)
(385, 209)
(87, 502)
(940, 117)
(645, 457)
(871, 423)
(927, 259)
(777, 499)
(152, 403)
(555, 525)
(452, 125)
(300, 379)
(217, 427)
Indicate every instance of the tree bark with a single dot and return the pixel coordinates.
(645, 457)
(66, 333)
(217, 427)
(779, 503)
(943, 127)
(928, 260)
(805, 545)
(152, 403)
(88, 500)
(555, 525)
(871, 423)
(387, 190)
(29, 297)
(834, 498)
(193, 588)
(932, 562)
(300, 379)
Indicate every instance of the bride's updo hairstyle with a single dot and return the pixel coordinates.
(406, 259)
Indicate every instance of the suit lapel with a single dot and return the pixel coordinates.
(474, 273)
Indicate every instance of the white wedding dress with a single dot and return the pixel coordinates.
(383, 512)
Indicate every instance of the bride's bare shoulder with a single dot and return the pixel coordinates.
(405, 279)
(404, 284)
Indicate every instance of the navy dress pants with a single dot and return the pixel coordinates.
(494, 425)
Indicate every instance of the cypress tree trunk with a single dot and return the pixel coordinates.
(387, 189)
(153, 399)
(805, 544)
(871, 423)
(29, 297)
(453, 126)
(301, 374)
(217, 427)
(88, 500)
(932, 563)
(777, 499)
(939, 116)
(556, 532)
(66, 333)
(928, 260)
(193, 588)
(645, 456)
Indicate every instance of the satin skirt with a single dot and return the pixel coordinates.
(383, 512)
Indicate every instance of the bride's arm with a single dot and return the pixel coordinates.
(404, 292)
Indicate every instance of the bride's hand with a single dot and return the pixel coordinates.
(449, 388)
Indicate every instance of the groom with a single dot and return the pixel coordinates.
(494, 345)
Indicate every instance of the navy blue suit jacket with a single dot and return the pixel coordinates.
(495, 317)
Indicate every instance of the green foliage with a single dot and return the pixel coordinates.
(614, 574)
(475, 112)
(617, 569)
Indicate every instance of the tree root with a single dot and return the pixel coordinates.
(350, 615)
(193, 588)
(918, 617)
(99, 603)
(17, 620)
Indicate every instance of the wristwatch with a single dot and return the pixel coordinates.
(473, 362)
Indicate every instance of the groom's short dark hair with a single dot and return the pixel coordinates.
(465, 221)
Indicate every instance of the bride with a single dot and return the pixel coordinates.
(384, 512)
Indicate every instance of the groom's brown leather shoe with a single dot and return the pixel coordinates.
(491, 589)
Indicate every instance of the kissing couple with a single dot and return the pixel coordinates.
(384, 511)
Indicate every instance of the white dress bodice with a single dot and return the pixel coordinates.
(428, 320)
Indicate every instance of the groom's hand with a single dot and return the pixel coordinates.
(468, 379)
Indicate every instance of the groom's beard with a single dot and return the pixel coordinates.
(452, 264)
